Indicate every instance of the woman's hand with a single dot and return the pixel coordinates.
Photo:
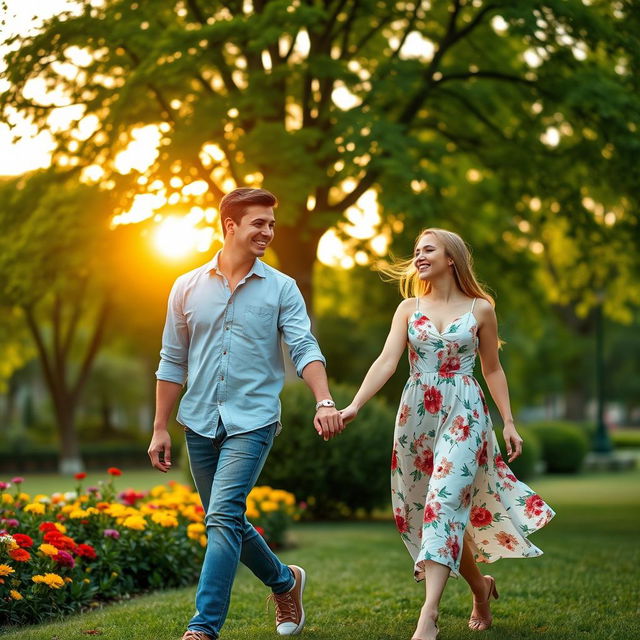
(349, 413)
(513, 442)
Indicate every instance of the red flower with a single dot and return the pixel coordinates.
(449, 366)
(480, 517)
(20, 555)
(424, 462)
(402, 523)
(422, 320)
(454, 546)
(48, 526)
(114, 471)
(413, 356)
(86, 551)
(23, 540)
(80, 476)
(431, 511)
(394, 460)
(260, 530)
(481, 454)
(476, 415)
(432, 400)
(533, 505)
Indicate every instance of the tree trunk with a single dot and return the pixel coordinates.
(70, 461)
(297, 251)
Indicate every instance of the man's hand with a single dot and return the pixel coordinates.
(328, 422)
(160, 450)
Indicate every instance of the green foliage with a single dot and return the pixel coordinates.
(527, 464)
(625, 439)
(564, 445)
(339, 477)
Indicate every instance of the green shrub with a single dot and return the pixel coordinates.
(564, 445)
(526, 464)
(626, 439)
(338, 477)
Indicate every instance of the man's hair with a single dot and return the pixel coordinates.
(234, 205)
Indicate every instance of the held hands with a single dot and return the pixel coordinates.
(328, 422)
(160, 450)
(513, 441)
(349, 413)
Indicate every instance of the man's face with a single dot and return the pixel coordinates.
(255, 231)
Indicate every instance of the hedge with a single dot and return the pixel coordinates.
(564, 445)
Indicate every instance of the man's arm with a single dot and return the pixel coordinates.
(309, 362)
(160, 448)
(171, 375)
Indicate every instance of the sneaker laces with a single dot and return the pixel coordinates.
(285, 605)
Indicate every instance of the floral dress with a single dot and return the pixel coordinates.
(448, 477)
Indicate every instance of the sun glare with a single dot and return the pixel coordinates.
(176, 238)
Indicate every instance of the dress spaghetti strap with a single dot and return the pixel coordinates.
(473, 304)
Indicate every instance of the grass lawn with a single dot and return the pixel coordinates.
(360, 584)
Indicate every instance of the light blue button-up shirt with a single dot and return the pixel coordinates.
(226, 346)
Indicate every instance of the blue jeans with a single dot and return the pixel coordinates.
(225, 469)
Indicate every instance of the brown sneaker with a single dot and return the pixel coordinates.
(289, 610)
(192, 634)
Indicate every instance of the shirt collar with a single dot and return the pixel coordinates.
(256, 270)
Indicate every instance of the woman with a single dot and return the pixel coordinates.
(455, 500)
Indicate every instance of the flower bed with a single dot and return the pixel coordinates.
(65, 552)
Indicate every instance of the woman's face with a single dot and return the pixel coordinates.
(430, 258)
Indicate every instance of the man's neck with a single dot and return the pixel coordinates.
(234, 265)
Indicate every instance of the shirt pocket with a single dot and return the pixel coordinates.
(258, 321)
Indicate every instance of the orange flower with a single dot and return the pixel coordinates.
(20, 555)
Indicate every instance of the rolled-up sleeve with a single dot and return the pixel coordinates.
(295, 326)
(175, 340)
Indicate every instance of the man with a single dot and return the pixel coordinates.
(222, 337)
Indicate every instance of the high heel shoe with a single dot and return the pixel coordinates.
(480, 623)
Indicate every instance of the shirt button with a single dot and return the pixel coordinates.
(224, 353)
(221, 377)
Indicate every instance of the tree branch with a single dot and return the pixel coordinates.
(495, 75)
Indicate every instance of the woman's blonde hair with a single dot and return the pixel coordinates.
(406, 275)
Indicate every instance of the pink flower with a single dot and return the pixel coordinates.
(64, 559)
(443, 468)
(459, 429)
(405, 412)
(17, 480)
(431, 511)
(449, 367)
(111, 533)
(424, 462)
(534, 505)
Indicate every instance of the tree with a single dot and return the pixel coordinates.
(322, 101)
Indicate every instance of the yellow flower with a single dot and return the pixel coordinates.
(25, 497)
(9, 542)
(86, 581)
(195, 530)
(16, 595)
(35, 507)
(252, 514)
(268, 506)
(60, 527)
(52, 580)
(135, 522)
(48, 550)
(76, 514)
(6, 570)
(68, 580)
(7, 498)
(165, 519)
(203, 541)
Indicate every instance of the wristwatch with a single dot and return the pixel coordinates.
(325, 403)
